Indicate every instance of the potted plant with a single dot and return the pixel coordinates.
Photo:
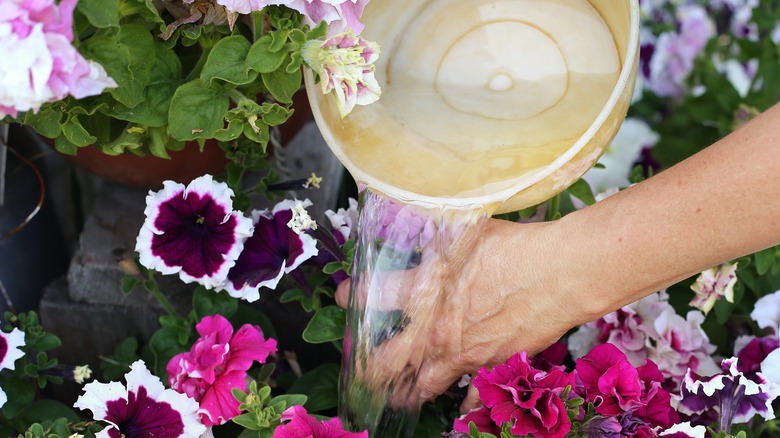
(148, 77)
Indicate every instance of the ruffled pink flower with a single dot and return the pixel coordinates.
(345, 66)
(37, 35)
(681, 343)
(527, 397)
(714, 284)
(616, 387)
(297, 423)
(217, 363)
(481, 418)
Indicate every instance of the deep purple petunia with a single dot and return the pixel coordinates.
(273, 250)
(10, 351)
(142, 409)
(731, 394)
(192, 231)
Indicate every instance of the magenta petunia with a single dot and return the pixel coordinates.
(481, 418)
(273, 250)
(217, 363)
(143, 408)
(610, 381)
(192, 231)
(297, 423)
(528, 398)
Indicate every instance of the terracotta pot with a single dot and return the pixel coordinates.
(185, 165)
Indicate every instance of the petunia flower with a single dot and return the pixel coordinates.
(713, 284)
(143, 408)
(481, 418)
(192, 231)
(684, 430)
(734, 396)
(10, 351)
(46, 67)
(345, 65)
(528, 398)
(339, 15)
(766, 312)
(297, 423)
(217, 363)
(273, 250)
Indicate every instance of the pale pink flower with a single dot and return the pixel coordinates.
(217, 363)
(681, 344)
(340, 15)
(674, 53)
(37, 36)
(344, 221)
(714, 284)
(345, 65)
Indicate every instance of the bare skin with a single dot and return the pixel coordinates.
(527, 284)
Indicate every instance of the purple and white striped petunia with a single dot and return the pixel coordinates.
(193, 231)
(684, 430)
(731, 394)
(143, 408)
(10, 351)
(273, 250)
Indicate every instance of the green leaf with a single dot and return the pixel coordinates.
(127, 57)
(119, 363)
(21, 394)
(582, 191)
(291, 295)
(251, 315)
(197, 111)
(48, 409)
(46, 341)
(327, 325)
(227, 61)
(75, 133)
(284, 401)
(260, 57)
(164, 78)
(46, 122)
(247, 421)
(764, 260)
(100, 13)
(127, 140)
(207, 302)
(165, 344)
(129, 283)
(283, 85)
(320, 386)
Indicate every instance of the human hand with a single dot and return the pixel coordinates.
(508, 294)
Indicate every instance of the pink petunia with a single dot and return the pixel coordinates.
(217, 363)
(297, 423)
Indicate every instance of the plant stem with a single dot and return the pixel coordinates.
(151, 286)
(206, 45)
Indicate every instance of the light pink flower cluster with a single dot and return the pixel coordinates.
(651, 329)
(340, 15)
(41, 64)
(675, 52)
(345, 65)
(217, 363)
(297, 423)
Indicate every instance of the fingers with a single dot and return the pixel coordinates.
(342, 294)
(472, 400)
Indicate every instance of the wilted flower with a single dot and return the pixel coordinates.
(192, 231)
(301, 221)
(10, 351)
(731, 394)
(217, 363)
(713, 284)
(37, 36)
(142, 408)
(345, 65)
(297, 423)
(273, 250)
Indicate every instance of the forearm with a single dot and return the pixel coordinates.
(718, 205)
